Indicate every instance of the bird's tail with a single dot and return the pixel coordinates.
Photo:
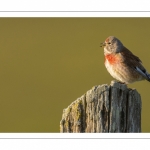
(148, 77)
(144, 73)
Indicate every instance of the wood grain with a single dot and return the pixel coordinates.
(113, 108)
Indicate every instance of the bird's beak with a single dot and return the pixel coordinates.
(102, 44)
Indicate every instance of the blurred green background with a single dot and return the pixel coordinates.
(47, 63)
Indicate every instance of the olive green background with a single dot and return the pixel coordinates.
(47, 63)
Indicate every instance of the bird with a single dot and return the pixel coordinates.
(121, 63)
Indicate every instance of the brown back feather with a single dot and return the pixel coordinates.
(130, 59)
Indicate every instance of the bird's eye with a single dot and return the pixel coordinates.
(109, 43)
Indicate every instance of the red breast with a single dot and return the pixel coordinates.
(111, 58)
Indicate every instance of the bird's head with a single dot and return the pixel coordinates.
(112, 45)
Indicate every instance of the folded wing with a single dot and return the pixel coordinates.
(134, 62)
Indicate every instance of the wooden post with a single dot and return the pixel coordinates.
(105, 108)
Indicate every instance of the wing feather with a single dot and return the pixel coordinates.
(134, 62)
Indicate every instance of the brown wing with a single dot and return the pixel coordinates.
(133, 62)
(129, 57)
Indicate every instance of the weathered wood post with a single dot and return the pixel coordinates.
(104, 108)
